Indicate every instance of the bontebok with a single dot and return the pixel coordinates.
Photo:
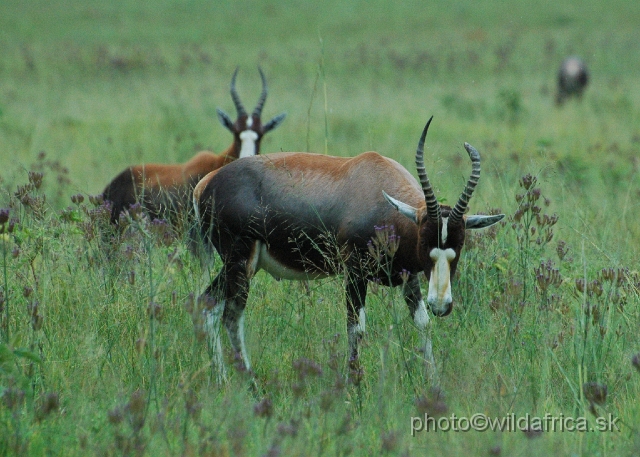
(573, 77)
(165, 190)
(305, 216)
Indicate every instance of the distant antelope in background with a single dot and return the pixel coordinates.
(573, 77)
(165, 191)
(306, 216)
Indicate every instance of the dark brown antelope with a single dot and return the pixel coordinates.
(306, 216)
(572, 79)
(165, 191)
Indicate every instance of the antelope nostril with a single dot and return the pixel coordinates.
(448, 310)
(443, 310)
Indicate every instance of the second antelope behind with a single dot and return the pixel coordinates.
(306, 216)
(573, 77)
(165, 191)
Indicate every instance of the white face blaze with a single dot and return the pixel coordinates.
(439, 295)
(445, 221)
(573, 68)
(248, 147)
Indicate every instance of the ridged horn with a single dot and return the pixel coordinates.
(236, 98)
(263, 96)
(463, 201)
(433, 207)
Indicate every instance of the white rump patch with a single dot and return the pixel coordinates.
(248, 139)
(439, 294)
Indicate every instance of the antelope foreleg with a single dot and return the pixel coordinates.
(235, 330)
(212, 327)
(413, 298)
(356, 295)
(233, 317)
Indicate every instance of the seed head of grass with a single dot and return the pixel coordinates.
(4, 216)
(432, 404)
(35, 178)
(135, 410)
(306, 368)
(264, 408)
(390, 441)
(273, 451)
(154, 311)
(34, 313)
(13, 398)
(532, 432)
(115, 415)
(96, 200)
(635, 361)
(546, 275)
(289, 428)
(77, 199)
(595, 392)
(48, 405)
(192, 405)
(356, 372)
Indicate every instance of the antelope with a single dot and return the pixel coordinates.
(572, 79)
(302, 216)
(165, 190)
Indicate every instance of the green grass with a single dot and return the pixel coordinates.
(88, 366)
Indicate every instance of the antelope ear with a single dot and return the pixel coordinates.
(273, 123)
(225, 119)
(404, 209)
(480, 221)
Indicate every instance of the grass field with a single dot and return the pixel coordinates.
(101, 356)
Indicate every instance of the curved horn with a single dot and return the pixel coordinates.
(263, 96)
(463, 201)
(236, 98)
(433, 207)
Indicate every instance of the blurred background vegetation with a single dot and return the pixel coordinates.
(90, 87)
